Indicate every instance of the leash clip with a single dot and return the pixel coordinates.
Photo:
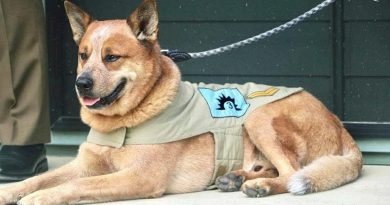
(176, 55)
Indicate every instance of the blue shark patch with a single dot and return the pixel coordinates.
(225, 102)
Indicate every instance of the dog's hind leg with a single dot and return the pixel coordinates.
(259, 126)
(13, 193)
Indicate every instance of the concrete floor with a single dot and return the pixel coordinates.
(373, 187)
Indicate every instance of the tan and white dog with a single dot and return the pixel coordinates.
(291, 145)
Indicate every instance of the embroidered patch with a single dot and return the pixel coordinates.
(268, 92)
(226, 102)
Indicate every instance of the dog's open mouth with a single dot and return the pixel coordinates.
(96, 103)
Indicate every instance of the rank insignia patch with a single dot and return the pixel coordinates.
(226, 102)
(268, 92)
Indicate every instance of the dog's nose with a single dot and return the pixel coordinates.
(84, 83)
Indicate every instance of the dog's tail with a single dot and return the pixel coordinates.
(330, 171)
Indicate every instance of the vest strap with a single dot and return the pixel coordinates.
(229, 152)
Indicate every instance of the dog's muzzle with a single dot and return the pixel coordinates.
(84, 87)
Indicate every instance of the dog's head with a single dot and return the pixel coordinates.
(118, 59)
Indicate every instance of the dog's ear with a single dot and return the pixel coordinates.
(144, 21)
(78, 19)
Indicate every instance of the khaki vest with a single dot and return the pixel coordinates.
(197, 109)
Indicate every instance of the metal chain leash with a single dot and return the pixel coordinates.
(182, 56)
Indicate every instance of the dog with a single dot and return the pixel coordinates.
(292, 144)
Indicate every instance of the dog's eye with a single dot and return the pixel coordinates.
(83, 56)
(111, 58)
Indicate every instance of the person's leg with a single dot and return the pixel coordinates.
(24, 110)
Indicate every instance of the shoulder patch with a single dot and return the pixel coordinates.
(225, 102)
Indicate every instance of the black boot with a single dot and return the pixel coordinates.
(21, 162)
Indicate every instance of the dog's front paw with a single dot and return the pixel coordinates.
(36, 198)
(42, 197)
(8, 196)
(229, 182)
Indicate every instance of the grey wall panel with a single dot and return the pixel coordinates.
(367, 49)
(367, 99)
(303, 50)
(367, 10)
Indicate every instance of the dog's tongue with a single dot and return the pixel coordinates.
(90, 101)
